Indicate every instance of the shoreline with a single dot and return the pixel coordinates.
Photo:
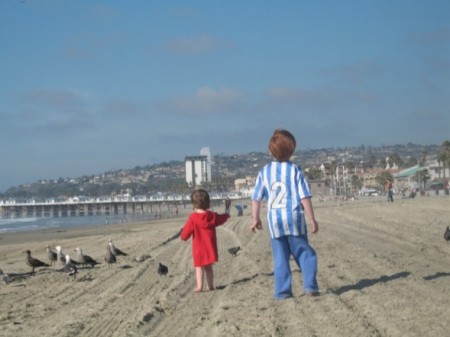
(80, 231)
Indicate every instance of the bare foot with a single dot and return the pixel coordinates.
(197, 290)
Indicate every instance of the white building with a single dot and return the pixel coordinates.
(196, 170)
(205, 151)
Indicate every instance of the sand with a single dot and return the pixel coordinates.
(384, 270)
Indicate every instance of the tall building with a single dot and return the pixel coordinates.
(196, 170)
(205, 151)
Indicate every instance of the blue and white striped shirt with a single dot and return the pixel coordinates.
(283, 185)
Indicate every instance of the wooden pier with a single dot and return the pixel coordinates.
(64, 209)
(86, 208)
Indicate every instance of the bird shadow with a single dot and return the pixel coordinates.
(365, 283)
(17, 277)
(126, 266)
(435, 276)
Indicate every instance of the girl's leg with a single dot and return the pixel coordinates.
(199, 277)
(282, 270)
(306, 259)
(209, 277)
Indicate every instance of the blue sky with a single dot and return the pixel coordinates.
(88, 86)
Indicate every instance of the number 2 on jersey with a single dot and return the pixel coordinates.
(279, 188)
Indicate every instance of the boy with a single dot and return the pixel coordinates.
(282, 184)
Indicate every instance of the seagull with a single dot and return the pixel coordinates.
(162, 269)
(5, 277)
(114, 250)
(52, 256)
(142, 258)
(70, 268)
(447, 234)
(62, 258)
(110, 257)
(234, 250)
(33, 262)
(84, 259)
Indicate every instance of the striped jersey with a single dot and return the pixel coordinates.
(283, 185)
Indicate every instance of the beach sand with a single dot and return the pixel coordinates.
(384, 270)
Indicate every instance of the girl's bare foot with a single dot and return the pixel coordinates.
(197, 290)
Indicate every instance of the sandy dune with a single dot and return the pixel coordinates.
(384, 270)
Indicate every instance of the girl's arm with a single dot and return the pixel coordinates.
(187, 231)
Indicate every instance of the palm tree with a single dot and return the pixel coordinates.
(444, 158)
(422, 176)
(383, 177)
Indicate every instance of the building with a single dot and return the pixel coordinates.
(196, 170)
(205, 151)
(405, 179)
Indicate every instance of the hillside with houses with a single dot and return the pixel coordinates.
(339, 171)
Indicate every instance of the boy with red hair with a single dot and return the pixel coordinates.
(283, 185)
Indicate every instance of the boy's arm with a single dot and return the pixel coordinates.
(256, 223)
(309, 211)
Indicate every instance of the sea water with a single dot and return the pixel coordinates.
(8, 225)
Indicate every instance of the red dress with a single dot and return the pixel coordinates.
(202, 227)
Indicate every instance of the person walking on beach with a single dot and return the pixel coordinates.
(284, 187)
(201, 225)
(390, 193)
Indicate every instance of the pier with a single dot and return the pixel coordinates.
(65, 209)
(100, 206)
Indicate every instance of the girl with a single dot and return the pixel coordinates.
(201, 225)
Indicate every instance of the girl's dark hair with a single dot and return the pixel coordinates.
(200, 199)
(282, 145)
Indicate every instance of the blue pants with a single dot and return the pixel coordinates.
(305, 257)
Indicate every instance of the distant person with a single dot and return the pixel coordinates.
(201, 225)
(389, 192)
(283, 185)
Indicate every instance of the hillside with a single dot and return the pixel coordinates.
(170, 176)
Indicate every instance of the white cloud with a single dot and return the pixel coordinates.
(196, 45)
(205, 101)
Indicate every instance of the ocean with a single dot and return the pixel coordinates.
(9, 225)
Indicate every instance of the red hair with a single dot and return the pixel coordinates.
(282, 145)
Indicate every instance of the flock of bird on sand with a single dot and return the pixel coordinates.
(70, 266)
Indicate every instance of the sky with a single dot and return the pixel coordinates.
(90, 86)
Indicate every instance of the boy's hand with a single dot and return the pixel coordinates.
(256, 225)
(314, 226)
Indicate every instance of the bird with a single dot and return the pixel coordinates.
(114, 250)
(5, 277)
(62, 257)
(162, 269)
(52, 256)
(110, 258)
(234, 250)
(84, 259)
(33, 262)
(142, 258)
(447, 234)
(70, 268)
